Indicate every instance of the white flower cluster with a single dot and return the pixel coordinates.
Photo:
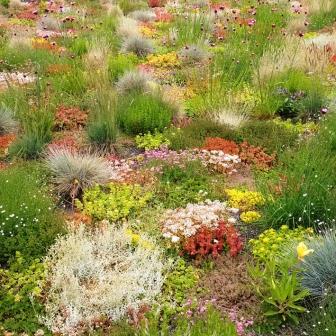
(220, 161)
(95, 274)
(185, 222)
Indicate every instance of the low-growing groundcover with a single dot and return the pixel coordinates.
(167, 167)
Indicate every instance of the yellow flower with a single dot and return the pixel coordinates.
(302, 250)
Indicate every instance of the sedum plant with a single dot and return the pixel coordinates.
(150, 141)
(73, 172)
(113, 202)
(97, 276)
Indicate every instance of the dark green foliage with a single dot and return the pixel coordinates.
(273, 137)
(142, 113)
(194, 134)
(29, 223)
(308, 182)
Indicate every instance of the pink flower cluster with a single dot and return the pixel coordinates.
(241, 324)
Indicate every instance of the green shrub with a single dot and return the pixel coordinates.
(29, 222)
(118, 65)
(326, 16)
(210, 323)
(319, 267)
(4, 3)
(20, 292)
(114, 202)
(128, 6)
(143, 113)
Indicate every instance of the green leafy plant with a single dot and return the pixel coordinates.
(113, 202)
(277, 282)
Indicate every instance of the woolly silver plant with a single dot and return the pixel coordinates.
(74, 171)
(138, 45)
(94, 274)
(7, 123)
(133, 81)
(143, 15)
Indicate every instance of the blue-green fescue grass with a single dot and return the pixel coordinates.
(319, 266)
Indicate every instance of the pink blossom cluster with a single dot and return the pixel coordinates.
(241, 324)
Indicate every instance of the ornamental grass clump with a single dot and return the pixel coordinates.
(138, 45)
(133, 82)
(73, 172)
(98, 276)
(143, 15)
(7, 122)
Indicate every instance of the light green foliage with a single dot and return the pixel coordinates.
(118, 65)
(150, 141)
(271, 243)
(179, 282)
(20, 291)
(114, 202)
(278, 284)
(7, 122)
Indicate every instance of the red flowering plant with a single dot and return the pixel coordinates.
(247, 153)
(214, 241)
(70, 118)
